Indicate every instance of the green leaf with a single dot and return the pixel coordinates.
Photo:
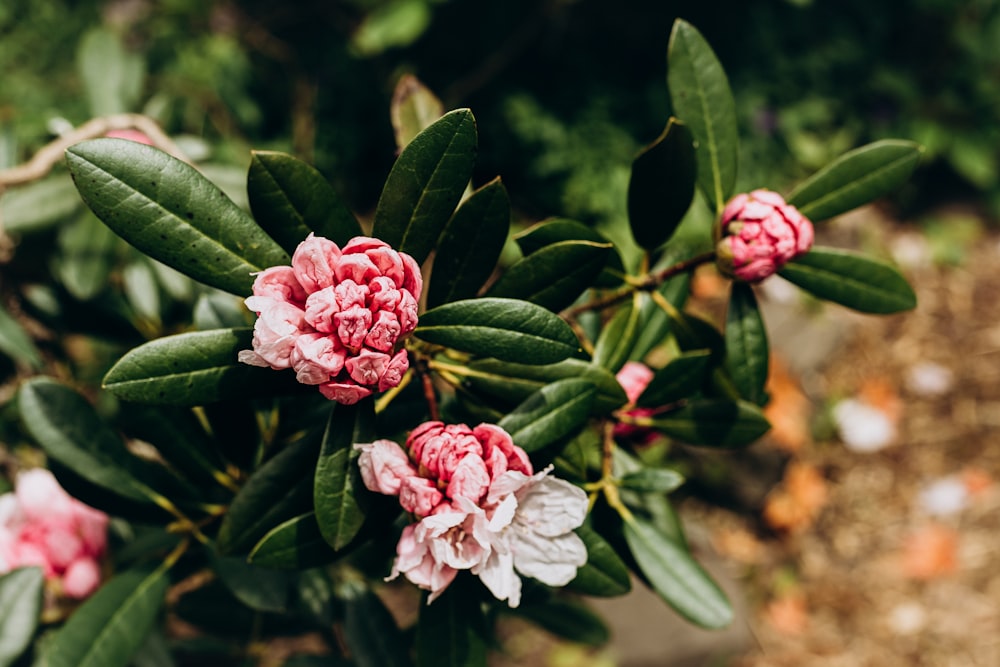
(701, 98)
(38, 205)
(141, 290)
(193, 369)
(178, 436)
(218, 310)
(86, 246)
(110, 626)
(546, 233)
(413, 109)
(714, 422)
(604, 574)
(852, 280)
(618, 336)
(553, 276)
(679, 379)
(168, 210)
(567, 619)
(15, 341)
(553, 412)
(746, 344)
(111, 75)
(20, 608)
(258, 588)
(290, 199)
(856, 178)
(370, 632)
(296, 544)
(470, 245)
(337, 482)
(662, 185)
(450, 631)
(279, 490)
(513, 383)
(676, 577)
(506, 329)
(425, 185)
(652, 480)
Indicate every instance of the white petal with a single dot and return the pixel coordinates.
(550, 560)
(552, 507)
(497, 574)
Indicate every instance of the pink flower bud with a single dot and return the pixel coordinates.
(634, 377)
(81, 578)
(131, 135)
(758, 233)
(384, 466)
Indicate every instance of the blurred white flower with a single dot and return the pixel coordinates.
(863, 428)
(929, 379)
(944, 497)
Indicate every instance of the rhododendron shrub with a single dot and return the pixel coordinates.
(303, 437)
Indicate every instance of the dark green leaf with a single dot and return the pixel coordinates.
(546, 233)
(680, 378)
(551, 413)
(662, 185)
(194, 369)
(676, 577)
(168, 210)
(470, 245)
(20, 608)
(258, 588)
(314, 596)
(618, 336)
(413, 109)
(653, 507)
(714, 422)
(108, 628)
(581, 454)
(654, 324)
(553, 276)
(746, 344)
(701, 98)
(218, 310)
(856, 178)
(295, 544)
(604, 574)
(852, 280)
(652, 480)
(450, 632)
(506, 329)
(38, 205)
(290, 199)
(141, 291)
(86, 247)
(337, 480)
(370, 632)
(15, 342)
(425, 185)
(112, 76)
(567, 619)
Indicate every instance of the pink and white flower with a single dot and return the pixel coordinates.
(634, 377)
(478, 508)
(42, 525)
(758, 233)
(337, 316)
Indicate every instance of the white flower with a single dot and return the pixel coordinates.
(863, 427)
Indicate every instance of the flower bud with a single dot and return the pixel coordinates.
(757, 234)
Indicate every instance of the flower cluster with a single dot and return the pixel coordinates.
(338, 317)
(41, 525)
(758, 233)
(479, 507)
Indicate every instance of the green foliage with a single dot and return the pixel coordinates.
(20, 609)
(852, 280)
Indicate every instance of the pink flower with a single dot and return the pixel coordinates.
(634, 377)
(337, 316)
(131, 135)
(43, 526)
(758, 233)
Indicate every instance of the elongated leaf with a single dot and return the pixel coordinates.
(258, 588)
(653, 507)
(618, 337)
(15, 342)
(296, 544)
(370, 632)
(746, 344)
(20, 608)
(39, 205)
(652, 480)
(852, 280)
(553, 276)
(112, 76)
(856, 178)
(680, 378)
(86, 252)
(654, 324)
(506, 329)
(108, 628)
(676, 577)
(337, 483)
(662, 185)
(551, 413)
(547, 232)
(701, 98)
(604, 574)
(426, 183)
(172, 213)
(450, 632)
(714, 422)
(413, 109)
(568, 619)
(470, 245)
(194, 369)
(178, 436)
(290, 199)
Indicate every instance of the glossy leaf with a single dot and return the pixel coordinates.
(296, 544)
(168, 210)
(851, 279)
(470, 245)
(506, 329)
(554, 276)
(15, 341)
(450, 630)
(604, 574)
(676, 577)
(425, 185)
(746, 344)
(856, 178)
(619, 335)
(680, 378)
(112, 624)
(193, 369)
(714, 423)
(701, 98)
(290, 198)
(258, 588)
(20, 609)
(370, 632)
(413, 109)
(567, 619)
(579, 455)
(547, 232)
(551, 413)
(652, 480)
(337, 482)
(662, 185)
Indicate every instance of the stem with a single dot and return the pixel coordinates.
(385, 399)
(422, 365)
